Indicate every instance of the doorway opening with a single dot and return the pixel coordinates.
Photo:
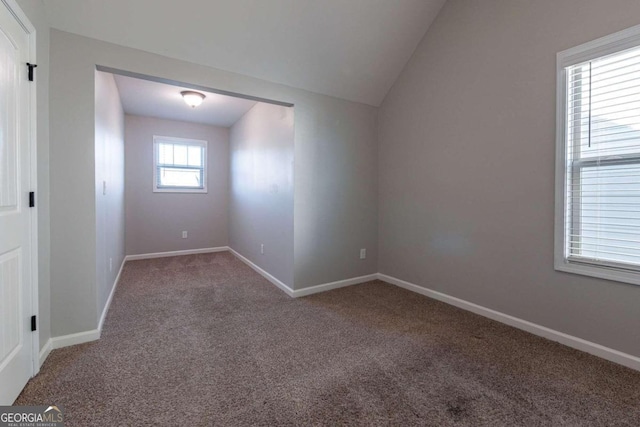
(174, 179)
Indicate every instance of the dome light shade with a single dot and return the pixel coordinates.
(193, 99)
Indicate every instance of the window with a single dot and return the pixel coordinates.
(180, 165)
(598, 159)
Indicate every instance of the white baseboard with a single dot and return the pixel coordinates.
(306, 291)
(81, 337)
(45, 350)
(175, 253)
(607, 353)
(74, 339)
(333, 285)
(92, 335)
(263, 273)
(105, 310)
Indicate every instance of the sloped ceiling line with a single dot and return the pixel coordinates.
(350, 49)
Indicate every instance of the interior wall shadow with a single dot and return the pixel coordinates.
(262, 189)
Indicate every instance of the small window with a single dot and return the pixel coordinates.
(180, 165)
(598, 159)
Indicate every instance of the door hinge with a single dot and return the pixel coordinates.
(34, 325)
(31, 67)
(32, 199)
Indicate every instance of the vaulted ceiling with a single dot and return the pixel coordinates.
(351, 49)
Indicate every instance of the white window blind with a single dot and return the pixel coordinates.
(179, 165)
(602, 143)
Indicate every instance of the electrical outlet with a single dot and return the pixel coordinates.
(363, 253)
(262, 248)
(110, 264)
(185, 234)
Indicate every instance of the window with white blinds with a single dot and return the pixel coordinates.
(600, 160)
(180, 165)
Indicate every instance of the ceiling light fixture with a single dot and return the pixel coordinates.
(193, 99)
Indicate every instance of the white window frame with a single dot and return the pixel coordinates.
(157, 139)
(604, 46)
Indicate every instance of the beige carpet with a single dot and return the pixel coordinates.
(203, 340)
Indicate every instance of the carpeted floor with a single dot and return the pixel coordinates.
(203, 340)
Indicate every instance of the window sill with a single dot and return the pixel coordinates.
(601, 272)
(181, 190)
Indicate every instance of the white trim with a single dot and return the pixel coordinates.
(264, 273)
(595, 270)
(175, 253)
(182, 141)
(560, 178)
(180, 190)
(304, 291)
(74, 339)
(607, 353)
(46, 349)
(157, 139)
(92, 335)
(33, 186)
(601, 47)
(616, 42)
(105, 310)
(333, 285)
(21, 18)
(82, 337)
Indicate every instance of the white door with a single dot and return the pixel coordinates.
(16, 339)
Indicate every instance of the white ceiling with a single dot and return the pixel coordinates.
(351, 49)
(147, 98)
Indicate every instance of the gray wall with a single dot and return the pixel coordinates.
(73, 210)
(475, 105)
(109, 162)
(37, 15)
(155, 221)
(467, 144)
(336, 191)
(261, 188)
(335, 194)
